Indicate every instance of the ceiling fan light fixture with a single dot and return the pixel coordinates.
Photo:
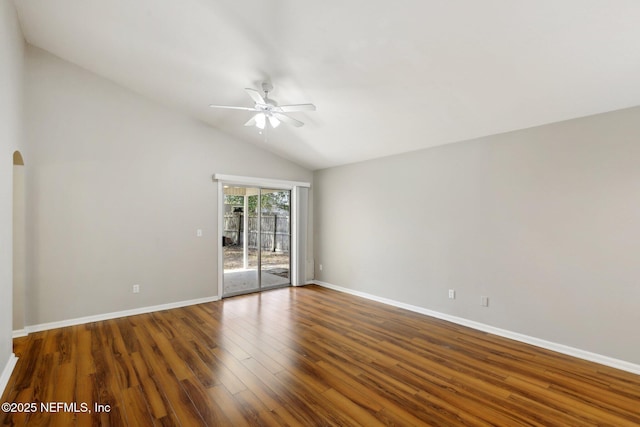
(261, 120)
(274, 121)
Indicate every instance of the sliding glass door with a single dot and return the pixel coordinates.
(256, 239)
(275, 234)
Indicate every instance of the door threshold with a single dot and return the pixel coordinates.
(255, 291)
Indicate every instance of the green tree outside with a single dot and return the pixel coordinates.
(279, 200)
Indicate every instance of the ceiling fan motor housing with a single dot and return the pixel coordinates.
(267, 87)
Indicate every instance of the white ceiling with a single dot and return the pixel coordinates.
(386, 76)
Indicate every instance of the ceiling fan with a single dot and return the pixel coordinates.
(268, 110)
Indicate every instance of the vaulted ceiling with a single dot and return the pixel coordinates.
(387, 77)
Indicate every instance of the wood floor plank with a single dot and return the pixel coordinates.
(24, 395)
(212, 414)
(306, 356)
(169, 388)
(43, 390)
(254, 351)
(258, 388)
(253, 409)
(136, 408)
(224, 399)
(356, 412)
(66, 390)
(154, 397)
(353, 388)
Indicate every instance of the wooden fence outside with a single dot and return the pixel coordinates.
(275, 231)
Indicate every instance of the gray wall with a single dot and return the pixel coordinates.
(544, 221)
(116, 188)
(11, 66)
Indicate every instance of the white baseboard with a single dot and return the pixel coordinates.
(20, 333)
(107, 316)
(559, 348)
(7, 371)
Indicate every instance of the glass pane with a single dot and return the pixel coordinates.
(276, 238)
(239, 240)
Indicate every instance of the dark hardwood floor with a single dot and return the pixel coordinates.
(303, 357)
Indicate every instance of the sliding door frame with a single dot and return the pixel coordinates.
(272, 184)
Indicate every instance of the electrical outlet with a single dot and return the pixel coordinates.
(484, 301)
(199, 232)
(136, 289)
(320, 267)
(452, 294)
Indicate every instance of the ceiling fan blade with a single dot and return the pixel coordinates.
(288, 120)
(274, 121)
(232, 108)
(251, 121)
(296, 107)
(255, 95)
